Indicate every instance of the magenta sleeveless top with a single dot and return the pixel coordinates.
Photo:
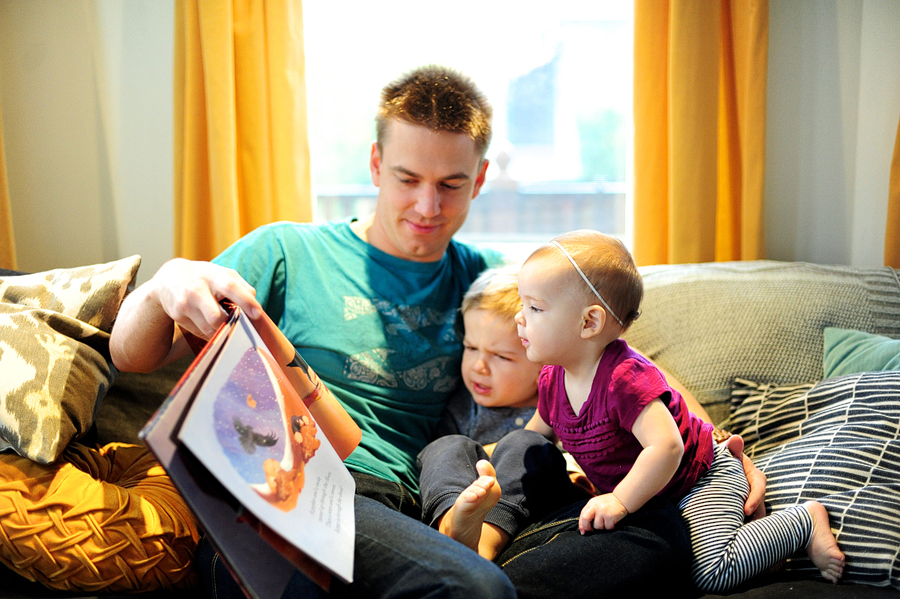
(600, 438)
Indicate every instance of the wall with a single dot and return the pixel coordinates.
(86, 95)
(833, 110)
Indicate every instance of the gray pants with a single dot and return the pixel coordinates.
(530, 469)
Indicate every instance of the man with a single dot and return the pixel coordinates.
(371, 305)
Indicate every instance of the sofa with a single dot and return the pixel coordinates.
(85, 509)
(800, 359)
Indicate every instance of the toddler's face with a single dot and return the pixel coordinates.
(495, 369)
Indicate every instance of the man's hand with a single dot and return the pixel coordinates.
(182, 292)
(189, 293)
(755, 506)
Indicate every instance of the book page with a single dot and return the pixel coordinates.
(263, 572)
(249, 428)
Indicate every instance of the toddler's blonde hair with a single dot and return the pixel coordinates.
(495, 290)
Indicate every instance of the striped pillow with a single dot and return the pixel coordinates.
(838, 442)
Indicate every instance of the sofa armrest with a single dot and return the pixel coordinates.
(133, 399)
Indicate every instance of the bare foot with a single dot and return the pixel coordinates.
(822, 548)
(464, 520)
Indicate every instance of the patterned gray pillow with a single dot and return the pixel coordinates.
(836, 442)
(54, 353)
(762, 320)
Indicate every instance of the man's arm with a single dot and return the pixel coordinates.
(187, 294)
(184, 293)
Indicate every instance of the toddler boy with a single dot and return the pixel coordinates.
(484, 421)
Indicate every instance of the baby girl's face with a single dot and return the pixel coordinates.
(495, 369)
(549, 323)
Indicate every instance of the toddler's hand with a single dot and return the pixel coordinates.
(601, 513)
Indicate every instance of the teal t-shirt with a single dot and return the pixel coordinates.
(378, 330)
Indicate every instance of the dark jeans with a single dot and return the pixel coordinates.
(396, 556)
(647, 554)
(399, 556)
(530, 469)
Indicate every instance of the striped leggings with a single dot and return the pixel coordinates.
(727, 551)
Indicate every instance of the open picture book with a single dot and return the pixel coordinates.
(264, 480)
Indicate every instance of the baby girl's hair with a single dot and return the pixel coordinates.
(607, 264)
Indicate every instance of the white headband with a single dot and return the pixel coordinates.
(589, 284)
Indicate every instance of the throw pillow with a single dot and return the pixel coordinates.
(761, 319)
(107, 520)
(848, 351)
(54, 353)
(836, 442)
(766, 414)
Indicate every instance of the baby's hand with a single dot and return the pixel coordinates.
(601, 513)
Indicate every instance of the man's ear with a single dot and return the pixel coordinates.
(592, 321)
(375, 164)
(479, 179)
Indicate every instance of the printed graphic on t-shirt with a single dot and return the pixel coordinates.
(436, 375)
(397, 319)
(403, 367)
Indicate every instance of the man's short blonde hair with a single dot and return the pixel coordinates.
(437, 98)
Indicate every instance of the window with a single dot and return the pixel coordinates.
(558, 77)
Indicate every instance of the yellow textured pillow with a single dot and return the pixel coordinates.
(96, 520)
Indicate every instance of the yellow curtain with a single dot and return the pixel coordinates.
(241, 144)
(699, 127)
(892, 235)
(7, 241)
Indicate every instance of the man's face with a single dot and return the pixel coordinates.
(426, 180)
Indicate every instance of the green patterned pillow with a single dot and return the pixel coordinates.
(848, 351)
(54, 353)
